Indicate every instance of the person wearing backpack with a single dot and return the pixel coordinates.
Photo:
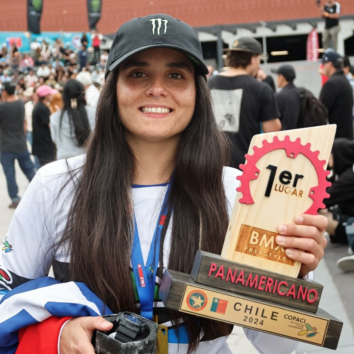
(71, 126)
(298, 107)
(288, 99)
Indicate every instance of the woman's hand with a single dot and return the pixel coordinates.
(304, 241)
(77, 334)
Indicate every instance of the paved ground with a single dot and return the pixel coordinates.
(338, 293)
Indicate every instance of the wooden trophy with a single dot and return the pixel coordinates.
(253, 283)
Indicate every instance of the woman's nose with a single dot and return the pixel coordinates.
(157, 87)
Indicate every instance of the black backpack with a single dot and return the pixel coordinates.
(313, 112)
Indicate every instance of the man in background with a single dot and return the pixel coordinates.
(330, 12)
(288, 99)
(13, 141)
(92, 94)
(243, 105)
(337, 95)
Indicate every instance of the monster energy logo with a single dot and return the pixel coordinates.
(37, 5)
(96, 5)
(158, 22)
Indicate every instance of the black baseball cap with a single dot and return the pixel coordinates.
(331, 56)
(155, 31)
(246, 44)
(287, 71)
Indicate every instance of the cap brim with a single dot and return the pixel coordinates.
(201, 67)
(274, 71)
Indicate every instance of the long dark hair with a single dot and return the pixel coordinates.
(74, 105)
(99, 226)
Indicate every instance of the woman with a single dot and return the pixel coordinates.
(71, 126)
(155, 148)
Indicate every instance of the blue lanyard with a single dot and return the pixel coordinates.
(145, 275)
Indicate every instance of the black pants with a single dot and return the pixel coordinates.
(96, 54)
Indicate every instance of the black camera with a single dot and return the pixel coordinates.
(131, 334)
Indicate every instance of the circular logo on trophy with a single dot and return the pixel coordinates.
(197, 300)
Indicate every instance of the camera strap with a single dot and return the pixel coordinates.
(145, 274)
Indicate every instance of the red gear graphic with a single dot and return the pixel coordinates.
(292, 149)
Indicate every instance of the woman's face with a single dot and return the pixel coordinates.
(156, 94)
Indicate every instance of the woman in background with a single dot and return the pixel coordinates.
(71, 126)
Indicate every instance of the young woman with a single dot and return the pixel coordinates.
(71, 126)
(156, 155)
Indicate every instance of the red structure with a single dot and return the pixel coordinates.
(71, 15)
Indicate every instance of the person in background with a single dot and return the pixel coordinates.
(347, 263)
(43, 146)
(348, 72)
(34, 46)
(51, 80)
(13, 141)
(84, 40)
(15, 59)
(31, 79)
(56, 102)
(82, 58)
(92, 94)
(210, 71)
(43, 71)
(5, 77)
(243, 105)
(337, 95)
(330, 12)
(96, 39)
(288, 99)
(262, 76)
(103, 59)
(32, 99)
(27, 62)
(71, 126)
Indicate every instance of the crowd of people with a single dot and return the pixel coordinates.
(57, 89)
(80, 208)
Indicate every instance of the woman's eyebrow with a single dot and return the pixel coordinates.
(180, 65)
(130, 64)
(143, 64)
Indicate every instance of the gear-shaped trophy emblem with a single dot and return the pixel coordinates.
(292, 149)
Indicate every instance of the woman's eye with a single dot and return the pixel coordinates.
(138, 75)
(176, 76)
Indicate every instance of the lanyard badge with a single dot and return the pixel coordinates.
(145, 275)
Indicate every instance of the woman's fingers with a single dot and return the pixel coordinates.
(92, 323)
(316, 221)
(304, 241)
(76, 335)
